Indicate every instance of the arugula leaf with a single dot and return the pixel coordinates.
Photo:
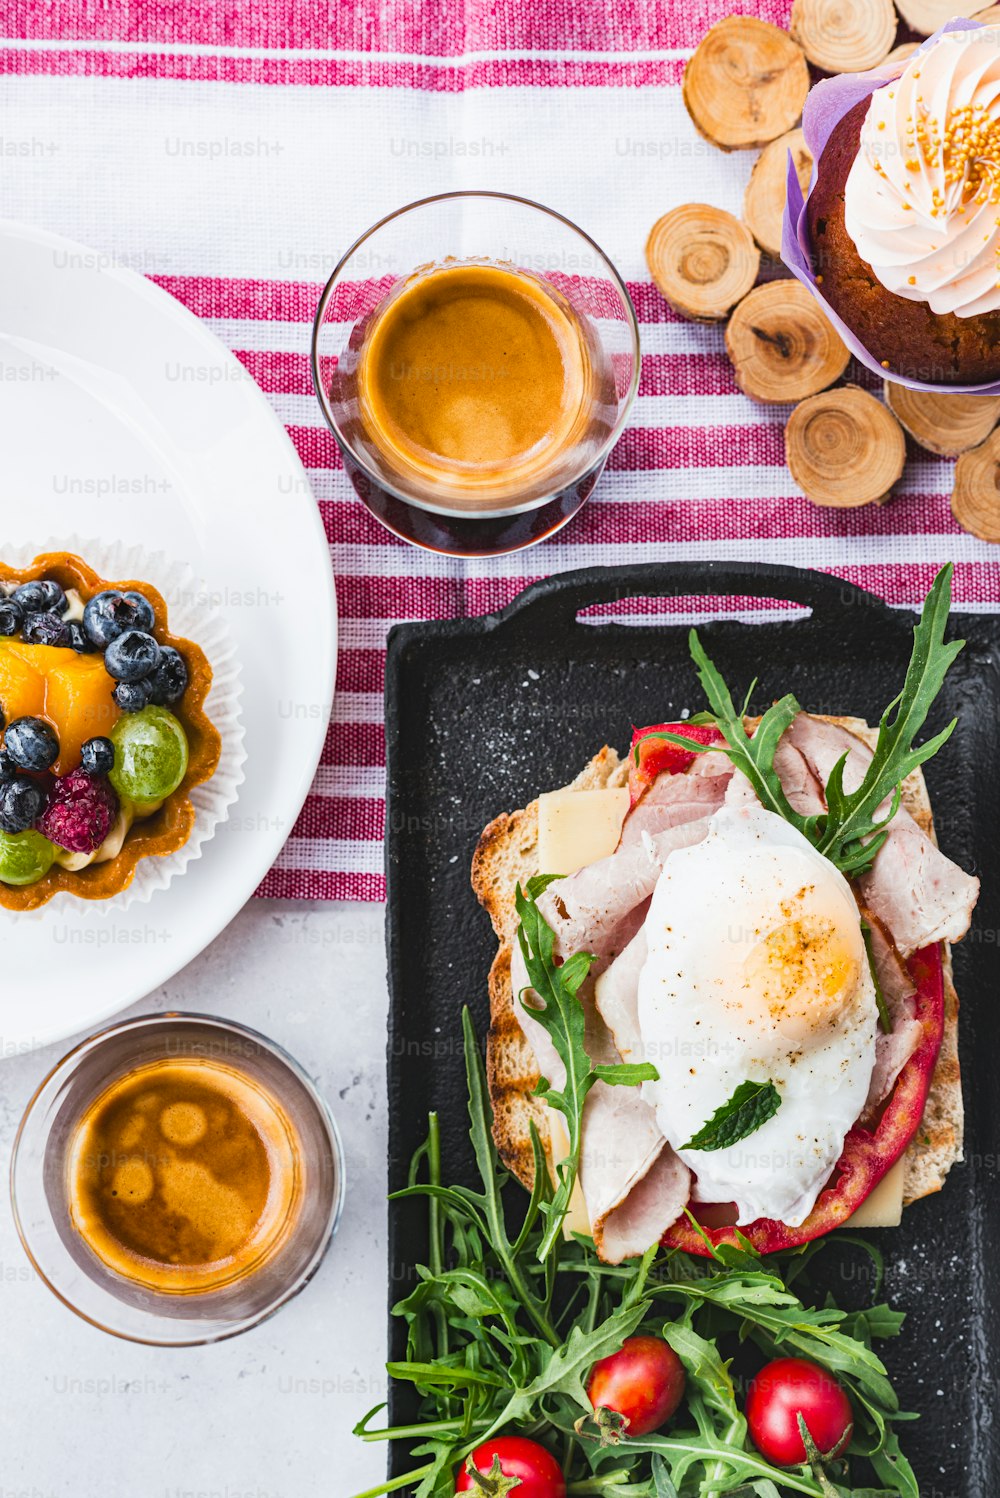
(855, 824)
(755, 757)
(559, 1011)
(749, 1108)
(853, 831)
(522, 1335)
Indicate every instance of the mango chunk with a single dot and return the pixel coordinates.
(72, 691)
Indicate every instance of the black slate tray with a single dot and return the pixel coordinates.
(483, 713)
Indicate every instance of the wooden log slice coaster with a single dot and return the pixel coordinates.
(703, 260)
(764, 199)
(782, 345)
(926, 16)
(845, 448)
(746, 83)
(975, 499)
(944, 424)
(844, 36)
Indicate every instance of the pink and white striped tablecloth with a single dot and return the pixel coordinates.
(232, 151)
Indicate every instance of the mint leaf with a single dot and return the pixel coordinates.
(750, 1106)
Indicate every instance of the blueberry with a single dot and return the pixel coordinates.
(132, 656)
(40, 598)
(8, 769)
(132, 696)
(144, 616)
(31, 744)
(21, 804)
(170, 679)
(107, 615)
(79, 640)
(11, 617)
(45, 629)
(97, 756)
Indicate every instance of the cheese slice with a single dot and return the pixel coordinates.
(883, 1207)
(578, 827)
(577, 1219)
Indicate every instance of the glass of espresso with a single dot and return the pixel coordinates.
(176, 1179)
(476, 357)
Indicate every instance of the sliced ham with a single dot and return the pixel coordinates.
(915, 891)
(893, 1048)
(616, 995)
(634, 1186)
(674, 800)
(590, 910)
(799, 782)
(595, 908)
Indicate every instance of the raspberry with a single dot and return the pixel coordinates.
(81, 812)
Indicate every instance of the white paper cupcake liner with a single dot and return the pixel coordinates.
(190, 615)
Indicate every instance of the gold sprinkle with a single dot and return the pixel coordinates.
(885, 364)
(912, 280)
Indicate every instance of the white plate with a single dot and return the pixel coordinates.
(122, 417)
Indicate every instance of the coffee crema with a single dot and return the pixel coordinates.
(182, 1175)
(477, 381)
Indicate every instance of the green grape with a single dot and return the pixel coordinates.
(151, 755)
(25, 857)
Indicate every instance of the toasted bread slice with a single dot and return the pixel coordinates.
(507, 854)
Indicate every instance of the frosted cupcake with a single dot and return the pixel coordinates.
(900, 235)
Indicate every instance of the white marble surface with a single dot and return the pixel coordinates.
(268, 1414)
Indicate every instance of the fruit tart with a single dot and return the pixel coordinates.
(103, 731)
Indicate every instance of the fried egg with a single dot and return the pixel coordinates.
(757, 971)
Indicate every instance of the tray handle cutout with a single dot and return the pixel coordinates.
(556, 602)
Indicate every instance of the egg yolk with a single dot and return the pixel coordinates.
(802, 976)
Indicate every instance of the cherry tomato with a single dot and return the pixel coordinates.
(644, 1382)
(539, 1473)
(782, 1391)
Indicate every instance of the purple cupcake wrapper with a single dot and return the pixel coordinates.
(828, 102)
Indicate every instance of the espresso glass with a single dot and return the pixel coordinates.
(40, 1184)
(511, 234)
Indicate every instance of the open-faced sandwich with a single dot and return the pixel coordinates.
(103, 731)
(756, 919)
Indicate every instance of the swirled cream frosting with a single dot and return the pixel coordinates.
(922, 201)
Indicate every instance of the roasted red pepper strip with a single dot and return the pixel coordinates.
(867, 1156)
(658, 755)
